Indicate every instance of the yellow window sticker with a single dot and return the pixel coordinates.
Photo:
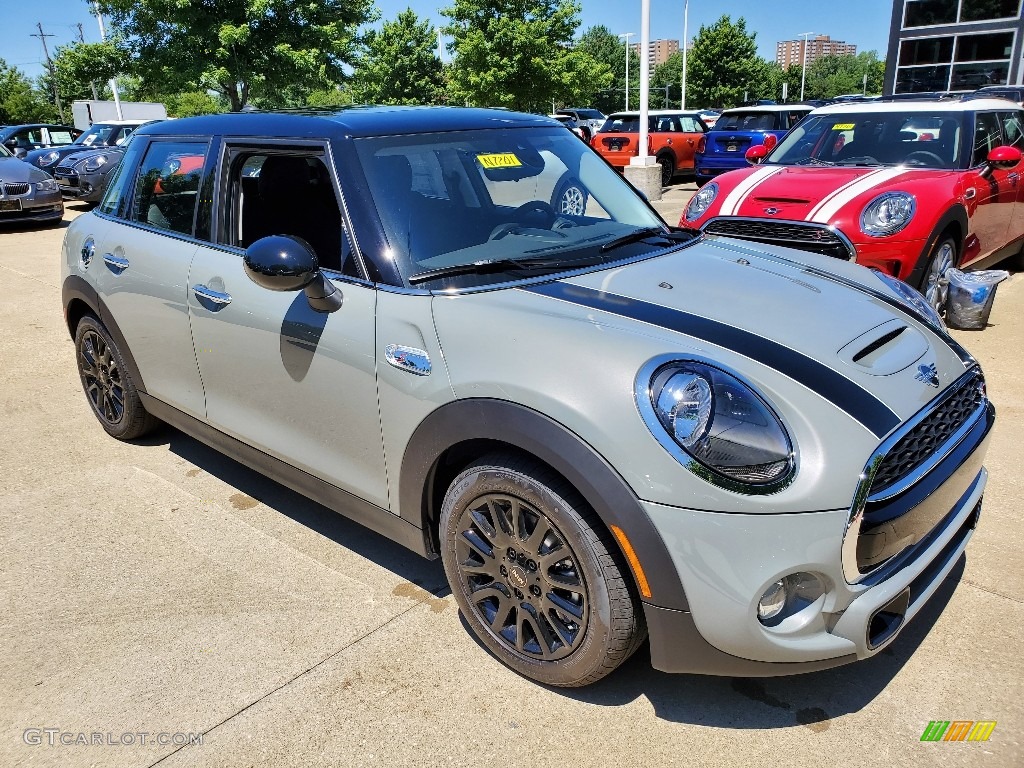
(499, 160)
(843, 127)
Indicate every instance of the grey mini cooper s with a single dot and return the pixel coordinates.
(464, 330)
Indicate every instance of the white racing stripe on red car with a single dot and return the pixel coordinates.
(742, 190)
(823, 212)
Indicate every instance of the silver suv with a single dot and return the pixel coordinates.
(766, 460)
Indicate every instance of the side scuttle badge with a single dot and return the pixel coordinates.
(408, 359)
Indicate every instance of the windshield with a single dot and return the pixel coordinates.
(448, 200)
(923, 139)
(97, 134)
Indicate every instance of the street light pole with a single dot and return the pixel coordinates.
(803, 69)
(626, 36)
(113, 80)
(645, 76)
(686, 37)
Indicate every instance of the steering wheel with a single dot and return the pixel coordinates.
(521, 214)
(926, 158)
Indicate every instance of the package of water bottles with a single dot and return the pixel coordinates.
(970, 297)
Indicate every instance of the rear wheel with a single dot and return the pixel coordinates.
(107, 384)
(934, 283)
(668, 170)
(536, 574)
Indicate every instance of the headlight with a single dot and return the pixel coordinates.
(887, 214)
(912, 298)
(47, 185)
(94, 163)
(49, 158)
(726, 431)
(701, 201)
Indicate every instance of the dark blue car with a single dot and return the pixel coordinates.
(737, 130)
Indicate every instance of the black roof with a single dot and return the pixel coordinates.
(353, 121)
(39, 125)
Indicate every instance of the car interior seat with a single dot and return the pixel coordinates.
(296, 198)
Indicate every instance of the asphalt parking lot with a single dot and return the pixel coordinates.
(156, 590)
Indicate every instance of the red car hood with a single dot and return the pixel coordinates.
(811, 193)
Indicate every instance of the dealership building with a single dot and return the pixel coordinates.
(954, 45)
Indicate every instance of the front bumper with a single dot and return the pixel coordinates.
(727, 561)
(41, 206)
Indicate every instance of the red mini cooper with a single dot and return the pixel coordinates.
(911, 188)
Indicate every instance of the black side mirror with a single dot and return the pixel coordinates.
(287, 263)
(11, 143)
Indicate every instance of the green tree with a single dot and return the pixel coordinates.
(668, 73)
(723, 65)
(520, 54)
(20, 101)
(78, 67)
(837, 75)
(604, 47)
(239, 48)
(400, 65)
(192, 103)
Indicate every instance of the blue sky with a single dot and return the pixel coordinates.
(772, 20)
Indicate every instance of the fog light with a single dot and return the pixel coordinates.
(772, 601)
(788, 597)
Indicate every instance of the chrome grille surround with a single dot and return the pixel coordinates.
(970, 387)
(802, 235)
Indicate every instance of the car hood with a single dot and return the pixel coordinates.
(832, 327)
(13, 170)
(812, 193)
(77, 157)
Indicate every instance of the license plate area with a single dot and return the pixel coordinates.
(10, 205)
(731, 147)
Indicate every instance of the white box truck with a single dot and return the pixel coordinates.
(86, 113)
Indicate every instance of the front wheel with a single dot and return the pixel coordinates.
(934, 283)
(535, 573)
(570, 198)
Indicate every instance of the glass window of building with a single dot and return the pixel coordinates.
(930, 13)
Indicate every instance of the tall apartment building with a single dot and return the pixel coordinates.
(658, 51)
(789, 52)
(954, 45)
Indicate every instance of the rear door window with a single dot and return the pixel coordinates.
(167, 186)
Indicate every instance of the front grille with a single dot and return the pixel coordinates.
(921, 442)
(16, 189)
(805, 237)
(64, 170)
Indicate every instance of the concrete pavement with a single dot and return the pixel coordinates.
(160, 588)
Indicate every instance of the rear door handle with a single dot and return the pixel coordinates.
(214, 297)
(118, 263)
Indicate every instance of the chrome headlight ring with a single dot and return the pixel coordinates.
(887, 214)
(701, 201)
(707, 401)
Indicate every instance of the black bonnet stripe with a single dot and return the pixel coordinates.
(851, 397)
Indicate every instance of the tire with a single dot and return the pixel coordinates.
(933, 282)
(570, 198)
(701, 181)
(668, 169)
(107, 384)
(543, 589)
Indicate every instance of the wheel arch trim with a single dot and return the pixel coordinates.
(956, 215)
(77, 290)
(521, 428)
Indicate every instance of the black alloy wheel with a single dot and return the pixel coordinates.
(535, 573)
(107, 384)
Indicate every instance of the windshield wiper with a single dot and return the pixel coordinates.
(502, 265)
(813, 161)
(637, 235)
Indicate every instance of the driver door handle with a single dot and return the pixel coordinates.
(214, 297)
(118, 263)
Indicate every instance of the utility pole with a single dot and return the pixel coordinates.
(92, 83)
(803, 69)
(49, 66)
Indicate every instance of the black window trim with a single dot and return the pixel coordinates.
(232, 145)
